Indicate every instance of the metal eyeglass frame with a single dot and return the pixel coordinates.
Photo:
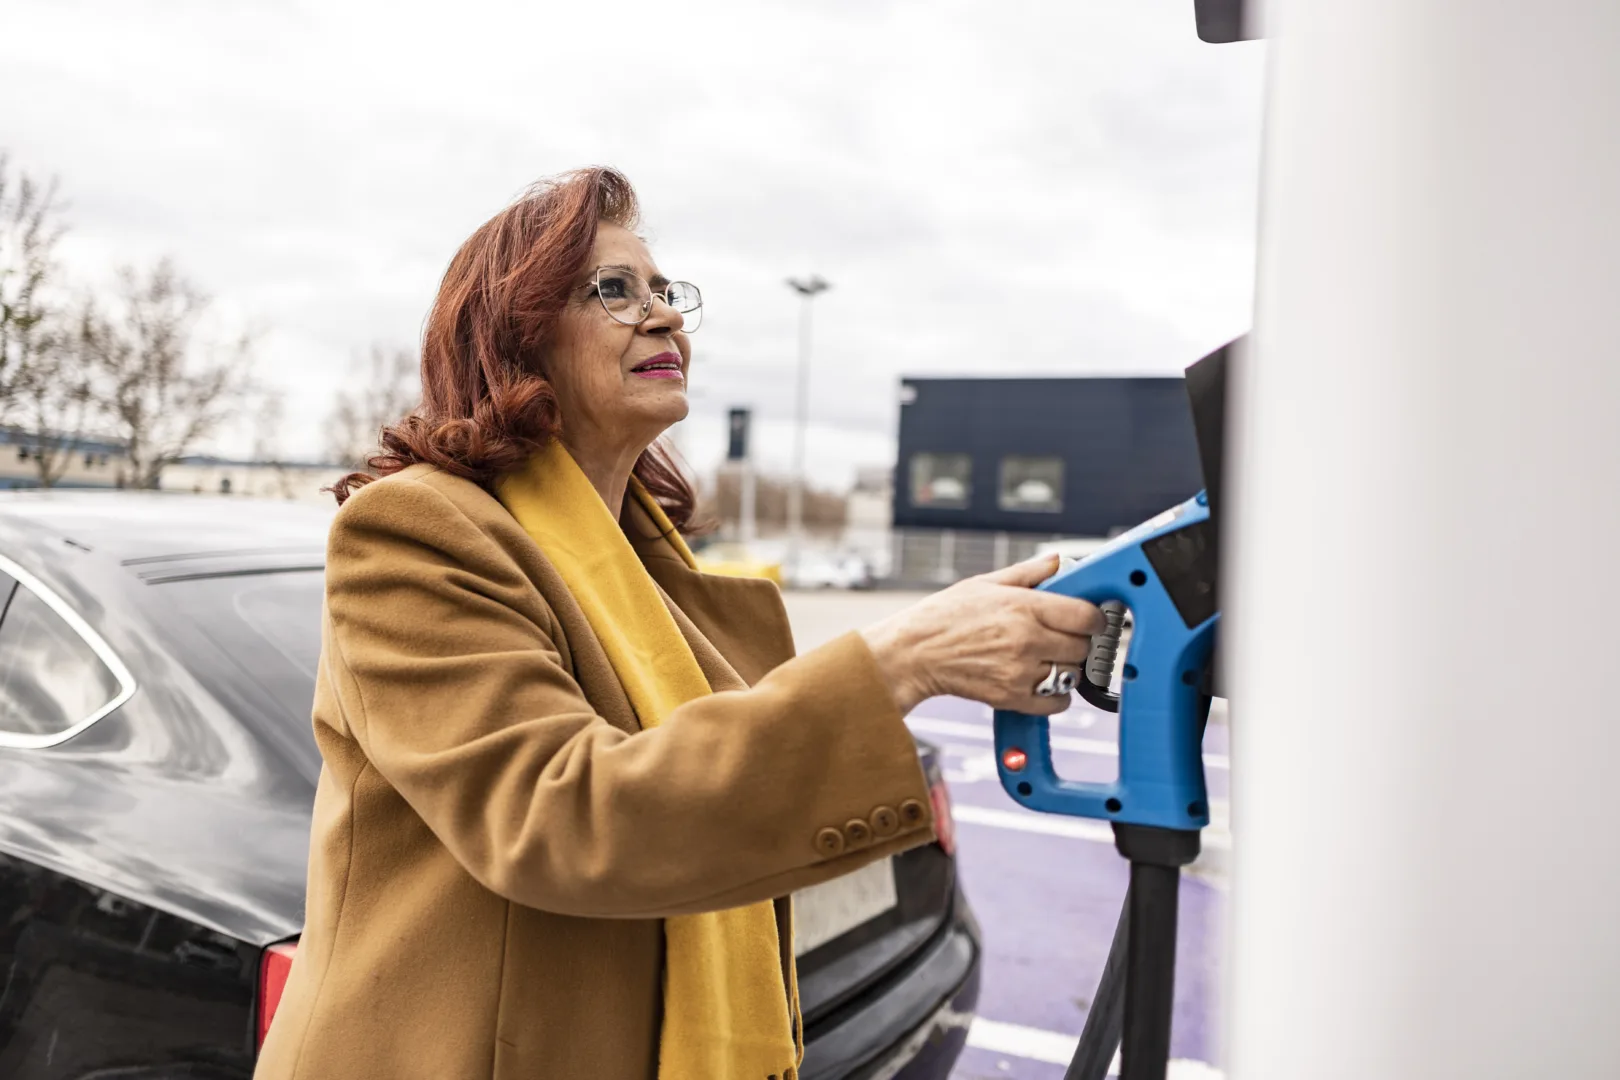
(653, 294)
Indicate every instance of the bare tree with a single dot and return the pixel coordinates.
(162, 387)
(52, 394)
(823, 510)
(269, 417)
(29, 230)
(385, 385)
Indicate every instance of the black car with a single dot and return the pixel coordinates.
(157, 770)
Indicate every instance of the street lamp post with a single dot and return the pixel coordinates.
(807, 288)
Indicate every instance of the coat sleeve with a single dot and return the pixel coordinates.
(447, 674)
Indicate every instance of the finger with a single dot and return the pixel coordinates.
(1066, 615)
(1048, 647)
(1027, 574)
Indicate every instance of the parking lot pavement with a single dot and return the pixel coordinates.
(821, 615)
(1047, 889)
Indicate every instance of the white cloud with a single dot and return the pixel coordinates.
(992, 187)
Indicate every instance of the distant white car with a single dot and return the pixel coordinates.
(828, 570)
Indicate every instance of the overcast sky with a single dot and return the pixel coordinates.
(993, 187)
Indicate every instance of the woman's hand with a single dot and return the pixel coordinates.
(990, 638)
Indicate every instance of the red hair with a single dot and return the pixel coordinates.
(485, 406)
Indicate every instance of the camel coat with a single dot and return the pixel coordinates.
(495, 842)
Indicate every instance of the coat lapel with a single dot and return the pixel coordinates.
(742, 620)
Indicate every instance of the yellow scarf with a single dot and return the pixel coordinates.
(726, 1010)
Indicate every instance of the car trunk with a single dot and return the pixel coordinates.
(860, 928)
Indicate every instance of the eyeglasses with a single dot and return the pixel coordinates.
(629, 299)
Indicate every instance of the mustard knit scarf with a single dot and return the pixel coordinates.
(727, 1014)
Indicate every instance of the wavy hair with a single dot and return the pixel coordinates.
(485, 405)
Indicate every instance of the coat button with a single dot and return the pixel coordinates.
(912, 812)
(885, 822)
(857, 832)
(830, 842)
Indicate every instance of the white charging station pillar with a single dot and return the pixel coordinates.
(1423, 605)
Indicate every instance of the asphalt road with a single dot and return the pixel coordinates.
(1047, 889)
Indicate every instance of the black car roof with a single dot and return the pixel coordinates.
(153, 529)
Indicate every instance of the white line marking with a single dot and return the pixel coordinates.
(1055, 1048)
(1193, 1069)
(1020, 1041)
(962, 729)
(1098, 832)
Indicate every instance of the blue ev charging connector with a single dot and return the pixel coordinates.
(1163, 572)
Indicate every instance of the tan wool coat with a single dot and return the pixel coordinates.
(495, 843)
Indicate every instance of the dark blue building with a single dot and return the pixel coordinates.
(1078, 456)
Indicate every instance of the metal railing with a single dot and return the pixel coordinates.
(933, 557)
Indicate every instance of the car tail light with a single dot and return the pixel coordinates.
(273, 972)
(944, 824)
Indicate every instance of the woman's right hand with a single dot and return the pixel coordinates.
(990, 638)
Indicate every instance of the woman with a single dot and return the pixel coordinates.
(569, 781)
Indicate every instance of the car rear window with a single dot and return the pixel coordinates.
(253, 641)
(50, 677)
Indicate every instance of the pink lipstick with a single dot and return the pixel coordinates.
(666, 365)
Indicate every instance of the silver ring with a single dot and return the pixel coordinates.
(1058, 681)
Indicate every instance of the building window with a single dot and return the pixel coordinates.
(1031, 484)
(941, 481)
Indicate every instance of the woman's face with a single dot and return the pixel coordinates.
(608, 395)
